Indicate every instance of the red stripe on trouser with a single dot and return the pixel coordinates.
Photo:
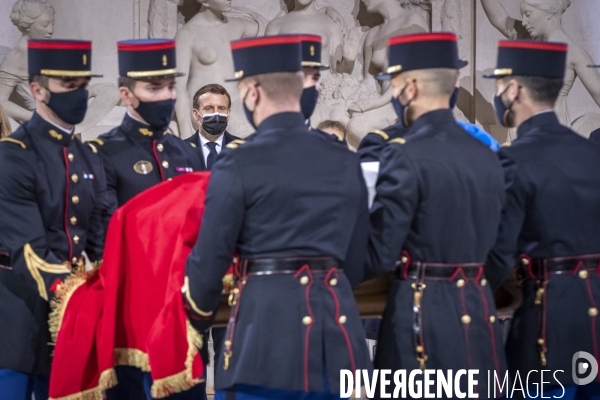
(489, 324)
(66, 158)
(466, 312)
(312, 321)
(593, 302)
(337, 317)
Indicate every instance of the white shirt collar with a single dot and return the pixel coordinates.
(131, 116)
(204, 140)
(59, 127)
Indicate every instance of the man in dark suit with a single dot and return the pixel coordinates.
(549, 223)
(212, 110)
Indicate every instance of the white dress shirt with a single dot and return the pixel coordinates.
(206, 149)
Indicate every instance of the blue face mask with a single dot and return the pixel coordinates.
(156, 113)
(503, 113)
(69, 106)
(454, 98)
(308, 101)
(401, 109)
(249, 113)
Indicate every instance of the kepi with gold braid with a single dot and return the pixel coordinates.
(60, 58)
(311, 52)
(265, 55)
(147, 58)
(530, 58)
(422, 51)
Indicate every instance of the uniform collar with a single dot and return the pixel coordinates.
(537, 120)
(437, 117)
(38, 125)
(282, 120)
(140, 131)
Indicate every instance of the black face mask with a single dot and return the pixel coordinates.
(214, 124)
(71, 106)
(401, 109)
(454, 98)
(156, 113)
(503, 113)
(308, 101)
(249, 113)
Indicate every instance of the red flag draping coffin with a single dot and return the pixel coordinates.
(130, 311)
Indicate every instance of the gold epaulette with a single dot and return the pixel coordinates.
(381, 133)
(506, 144)
(94, 149)
(15, 141)
(235, 143)
(398, 140)
(96, 140)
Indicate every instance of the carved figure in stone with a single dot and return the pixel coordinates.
(163, 18)
(372, 112)
(203, 55)
(542, 21)
(340, 49)
(35, 19)
(340, 45)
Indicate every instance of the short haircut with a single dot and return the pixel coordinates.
(541, 90)
(329, 124)
(41, 79)
(281, 87)
(211, 88)
(434, 82)
(127, 82)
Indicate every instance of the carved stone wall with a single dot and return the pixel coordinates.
(107, 21)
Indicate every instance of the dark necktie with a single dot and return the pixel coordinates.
(212, 156)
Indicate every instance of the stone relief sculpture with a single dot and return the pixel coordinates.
(203, 55)
(340, 50)
(163, 18)
(542, 21)
(373, 110)
(35, 19)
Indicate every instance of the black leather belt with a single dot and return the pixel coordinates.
(534, 268)
(436, 270)
(265, 266)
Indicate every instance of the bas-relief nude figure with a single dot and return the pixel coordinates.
(542, 21)
(35, 19)
(376, 112)
(203, 55)
(339, 50)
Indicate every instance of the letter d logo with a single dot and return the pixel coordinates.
(582, 368)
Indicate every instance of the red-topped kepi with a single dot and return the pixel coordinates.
(422, 51)
(147, 58)
(60, 58)
(311, 51)
(530, 58)
(266, 55)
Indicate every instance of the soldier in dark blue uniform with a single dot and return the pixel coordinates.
(437, 209)
(312, 67)
(550, 221)
(294, 206)
(52, 209)
(372, 145)
(141, 152)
